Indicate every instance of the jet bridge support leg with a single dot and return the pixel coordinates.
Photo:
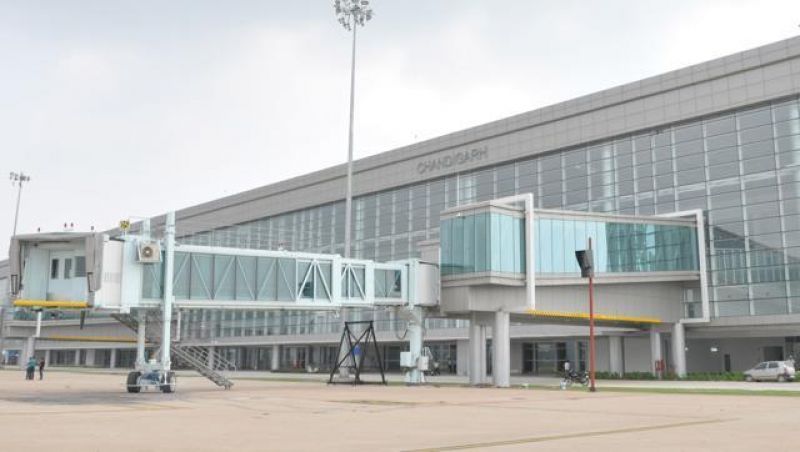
(141, 359)
(415, 369)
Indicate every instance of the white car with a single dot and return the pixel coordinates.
(771, 370)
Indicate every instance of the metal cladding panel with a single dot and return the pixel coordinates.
(486, 298)
(95, 245)
(110, 294)
(14, 266)
(426, 284)
(659, 300)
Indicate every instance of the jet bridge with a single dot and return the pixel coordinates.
(137, 278)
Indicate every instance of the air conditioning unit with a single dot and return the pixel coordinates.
(149, 252)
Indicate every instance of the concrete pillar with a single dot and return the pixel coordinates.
(501, 350)
(615, 355)
(679, 349)
(276, 358)
(77, 357)
(47, 358)
(475, 344)
(482, 362)
(90, 357)
(212, 352)
(655, 352)
(113, 360)
(38, 323)
(30, 349)
(462, 357)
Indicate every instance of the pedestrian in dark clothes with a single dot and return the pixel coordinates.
(41, 369)
(30, 368)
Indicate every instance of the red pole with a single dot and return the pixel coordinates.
(591, 324)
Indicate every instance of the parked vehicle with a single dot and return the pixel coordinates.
(571, 377)
(771, 370)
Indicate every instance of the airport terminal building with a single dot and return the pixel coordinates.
(722, 137)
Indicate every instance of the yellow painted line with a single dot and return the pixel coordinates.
(89, 338)
(51, 304)
(585, 316)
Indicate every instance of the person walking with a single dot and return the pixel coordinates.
(41, 369)
(30, 368)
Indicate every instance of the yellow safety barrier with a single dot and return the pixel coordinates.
(88, 338)
(598, 317)
(51, 304)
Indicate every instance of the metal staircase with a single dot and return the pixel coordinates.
(209, 364)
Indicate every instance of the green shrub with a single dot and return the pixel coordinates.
(692, 376)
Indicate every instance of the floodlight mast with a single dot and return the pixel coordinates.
(18, 179)
(351, 14)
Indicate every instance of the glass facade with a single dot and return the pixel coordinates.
(617, 247)
(742, 168)
(484, 242)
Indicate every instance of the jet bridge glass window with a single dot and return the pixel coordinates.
(483, 242)
(618, 247)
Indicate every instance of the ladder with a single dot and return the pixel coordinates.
(206, 362)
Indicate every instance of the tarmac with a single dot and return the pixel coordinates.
(90, 411)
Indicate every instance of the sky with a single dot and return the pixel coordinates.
(129, 108)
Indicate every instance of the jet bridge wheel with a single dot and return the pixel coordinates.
(133, 382)
(169, 383)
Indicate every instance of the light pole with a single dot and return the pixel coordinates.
(18, 179)
(351, 14)
(586, 263)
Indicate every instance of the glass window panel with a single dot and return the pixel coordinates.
(754, 118)
(688, 133)
(643, 156)
(481, 244)
(786, 128)
(758, 149)
(546, 245)
(690, 162)
(663, 153)
(201, 276)
(760, 133)
(694, 176)
(224, 277)
(528, 179)
(506, 183)
(759, 195)
(724, 171)
(786, 110)
(689, 148)
(402, 198)
(720, 126)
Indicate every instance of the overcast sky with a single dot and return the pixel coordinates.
(132, 108)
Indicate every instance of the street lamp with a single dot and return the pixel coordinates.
(351, 14)
(586, 263)
(18, 179)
